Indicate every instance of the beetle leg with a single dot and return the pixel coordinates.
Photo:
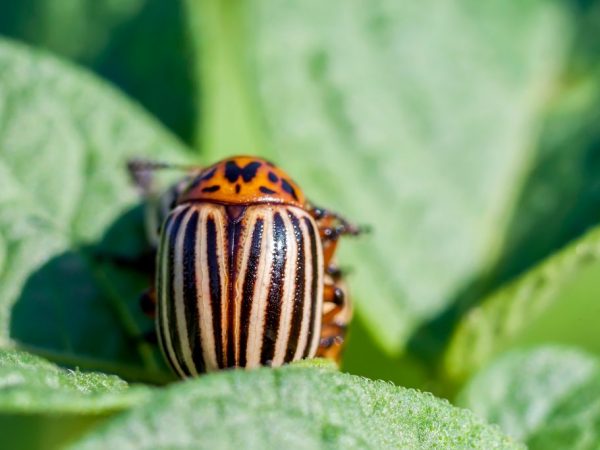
(337, 308)
(150, 337)
(141, 173)
(143, 262)
(337, 312)
(148, 307)
(158, 202)
(148, 302)
(333, 225)
(334, 272)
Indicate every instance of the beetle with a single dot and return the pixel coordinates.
(245, 269)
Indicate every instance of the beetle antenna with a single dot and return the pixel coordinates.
(143, 165)
(141, 172)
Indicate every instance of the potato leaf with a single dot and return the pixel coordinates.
(545, 396)
(416, 118)
(42, 405)
(293, 407)
(67, 215)
(554, 302)
(119, 42)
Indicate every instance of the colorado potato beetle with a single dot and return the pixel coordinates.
(245, 272)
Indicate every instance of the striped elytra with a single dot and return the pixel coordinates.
(238, 286)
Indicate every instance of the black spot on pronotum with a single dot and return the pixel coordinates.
(232, 171)
(194, 184)
(237, 188)
(266, 190)
(200, 178)
(287, 187)
(273, 178)
(208, 175)
(214, 188)
(248, 172)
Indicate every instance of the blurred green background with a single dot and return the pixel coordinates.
(465, 133)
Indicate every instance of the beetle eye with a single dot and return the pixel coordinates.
(318, 213)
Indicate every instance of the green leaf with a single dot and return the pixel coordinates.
(520, 389)
(66, 207)
(32, 385)
(415, 118)
(43, 406)
(293, 407)
(117, 39)
(560, 199)
(547, 397)
(90, 23)
(554, 302)
(575, 423)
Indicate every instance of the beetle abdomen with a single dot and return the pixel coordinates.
(238, 288)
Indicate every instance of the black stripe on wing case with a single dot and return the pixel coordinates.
(160, 285)
(299, 281)
(171, 317)
(234, 229)
(274, 298)
(214, 276)
(314, 258)
(248, 288)
(190, 293)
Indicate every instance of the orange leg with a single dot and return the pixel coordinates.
(337, 308)
(337, 313)
(148, 302)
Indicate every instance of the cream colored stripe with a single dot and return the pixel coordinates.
(181, 319)
(204, 305)
(159, 293)
(318, 259)
(308, 262)
(261, 288)
(165, 295)
(287, 297)
(243, 257)
(221, 233)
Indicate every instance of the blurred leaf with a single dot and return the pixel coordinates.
(78, 29)
(575, 423)
(293, 407)
(561, 198)
(556, 301)
(139, 45)
(363, 356)
(64, 142)
(43, 406)
(547, 397)
(230, 122)
(520, 389)
(416, 118)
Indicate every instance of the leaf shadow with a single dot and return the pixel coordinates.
(140, 46)
(80, 309)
